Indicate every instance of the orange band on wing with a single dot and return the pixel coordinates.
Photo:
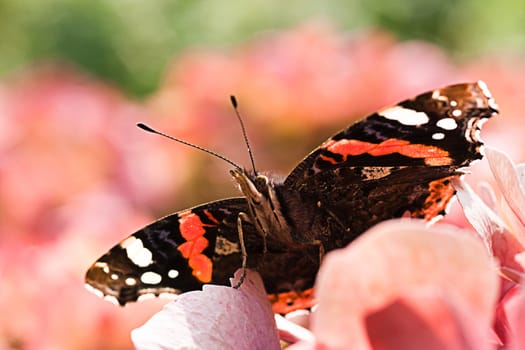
(190, 226)
(431, 154)
(192, 248)
(192, 229)
(202, 267)
(283, 303)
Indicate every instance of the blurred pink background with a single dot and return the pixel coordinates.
(77, 175)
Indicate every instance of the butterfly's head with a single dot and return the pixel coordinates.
(252, 186)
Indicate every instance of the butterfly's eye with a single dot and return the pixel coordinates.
(261, 182)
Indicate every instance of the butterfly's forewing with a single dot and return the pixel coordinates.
(437, 128)
(177, 253)
(397, 160)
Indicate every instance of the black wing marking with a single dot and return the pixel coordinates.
(398, 160)
(437, 128)
(153, 261)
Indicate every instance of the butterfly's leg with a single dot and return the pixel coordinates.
(240, 218)
(321, 249)
(332, 215)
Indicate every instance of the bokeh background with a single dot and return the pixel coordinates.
(77, 176)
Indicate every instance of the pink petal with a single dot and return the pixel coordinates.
(514, 314)
(217, 317)
(508, 180)
(520, 259)
(501, 243)
(292, 332)
(304, 345)
(394, 260)
(520, 170)
(480, 216)
(511, 220)
(428, 314)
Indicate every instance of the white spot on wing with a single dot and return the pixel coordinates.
(150, 277)
(477, 135)
(170, 296)
(130, 281)
(404, 115)
(438, 136)
(102, 265)
(128, 241)
(436, 95)
(136, 252)
(447, 123)
(483, 86)
(453, 103)
(468, 131)
(95, 291)
(173, 273)
(111, 299)
(114, 276)
(487, 94)
(456, 112)
(146, 296)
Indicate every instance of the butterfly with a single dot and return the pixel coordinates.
(395, 162)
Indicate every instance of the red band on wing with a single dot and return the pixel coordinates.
(210, 216)
(192, 248)
(202, 267)
(441, 192)
(431, 154)
(191, 226)
(283, 303)
(192, 229)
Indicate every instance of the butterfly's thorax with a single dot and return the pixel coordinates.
(265, 210)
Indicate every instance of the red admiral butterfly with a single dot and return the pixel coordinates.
(396, 161)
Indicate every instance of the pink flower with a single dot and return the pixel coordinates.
(403, 286)
(77, 175)
(399, 286)
(69, 187)
(217, 317)
(502, 228)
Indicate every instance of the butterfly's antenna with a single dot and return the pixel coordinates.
(244, 134)
(153, 131)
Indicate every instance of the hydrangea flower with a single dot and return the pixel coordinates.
(401, 285)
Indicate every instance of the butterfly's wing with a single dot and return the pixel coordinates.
(177, 253)
(397, 160)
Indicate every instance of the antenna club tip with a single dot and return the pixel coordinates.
(233, 101)
(145, 127)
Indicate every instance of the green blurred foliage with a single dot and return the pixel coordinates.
(130, 42)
